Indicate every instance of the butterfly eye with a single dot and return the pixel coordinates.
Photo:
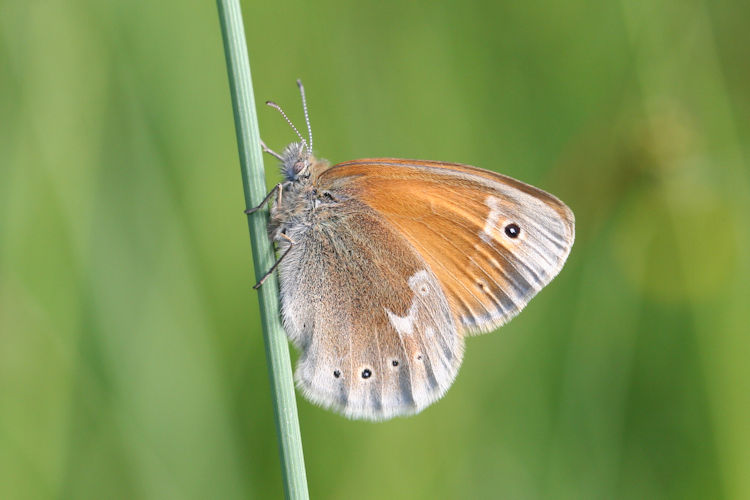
(337, 373)
(512, 230)
(366, 373)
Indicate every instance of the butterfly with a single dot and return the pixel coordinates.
(386, 265)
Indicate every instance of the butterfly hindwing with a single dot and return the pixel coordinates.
(376, 332)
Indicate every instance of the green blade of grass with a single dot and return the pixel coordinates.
(253, 180)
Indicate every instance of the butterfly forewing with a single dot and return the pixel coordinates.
(491, 241)
(377, 334)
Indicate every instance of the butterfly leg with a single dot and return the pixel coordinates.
(276, 264)
(277, 187)
(270, 151)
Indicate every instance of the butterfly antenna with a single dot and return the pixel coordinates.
(307, 116)
(278, 108)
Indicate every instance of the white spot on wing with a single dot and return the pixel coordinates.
(418, 277)
(492, 218)
(404, 325)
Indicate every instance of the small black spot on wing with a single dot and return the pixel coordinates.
(512, 230)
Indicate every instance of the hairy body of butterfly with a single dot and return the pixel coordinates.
(386, 264)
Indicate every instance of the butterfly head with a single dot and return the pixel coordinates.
(295, 162)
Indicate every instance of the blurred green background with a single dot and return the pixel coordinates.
(131, 357)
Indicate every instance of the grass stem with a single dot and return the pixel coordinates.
(253, 180)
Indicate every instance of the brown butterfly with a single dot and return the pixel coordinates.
(387, 264)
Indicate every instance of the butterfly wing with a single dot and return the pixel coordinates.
(376, 333)
(460, 219)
